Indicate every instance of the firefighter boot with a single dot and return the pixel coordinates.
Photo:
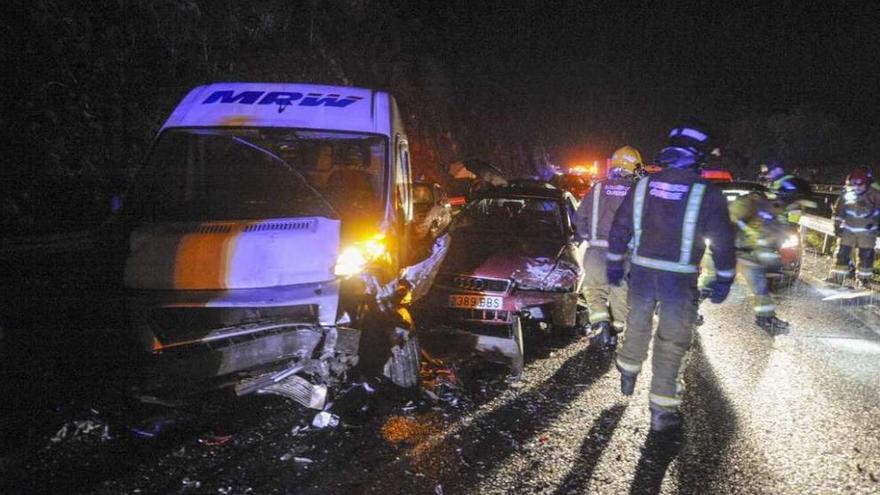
(598, 332)
(611, 340)
(663, 420)
(771, 324)
(627, 381)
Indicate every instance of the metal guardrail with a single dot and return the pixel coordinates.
(823, 226)
(827, 188)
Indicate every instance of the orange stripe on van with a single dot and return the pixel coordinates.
(203, 261)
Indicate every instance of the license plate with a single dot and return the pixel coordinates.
(475, 302)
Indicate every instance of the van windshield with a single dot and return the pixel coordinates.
(250, 174)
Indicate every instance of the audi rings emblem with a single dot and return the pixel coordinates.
(476, 284)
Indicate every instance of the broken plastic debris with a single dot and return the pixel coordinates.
(154, 426)
(214, 439)
(80, 429)
(325, 420)
(190, 483)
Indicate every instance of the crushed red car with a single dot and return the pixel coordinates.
(513, 267)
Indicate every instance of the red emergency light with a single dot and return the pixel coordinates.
(718, 175)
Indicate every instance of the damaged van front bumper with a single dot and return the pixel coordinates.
(193, 336)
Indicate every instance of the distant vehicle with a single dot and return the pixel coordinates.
(513, 266)
(432, 212)
(576, 184)
(261, 227)
(787, 239)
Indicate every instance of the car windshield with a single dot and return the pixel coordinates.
(529, 217)
(248, 174)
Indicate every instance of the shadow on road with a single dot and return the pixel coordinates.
(710, 429)
(579, 475)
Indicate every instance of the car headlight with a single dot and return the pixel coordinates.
(792, 241)
(354, 258)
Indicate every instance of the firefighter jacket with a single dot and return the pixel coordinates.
(667, 219)
(858, 213)
(754, 217)
(596, 211)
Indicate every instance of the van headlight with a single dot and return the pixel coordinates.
(354, 258)
(791, 242)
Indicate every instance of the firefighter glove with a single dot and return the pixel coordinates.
(614, 271)
(720, 289)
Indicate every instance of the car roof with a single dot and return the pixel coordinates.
(521, 188)
(740, 184)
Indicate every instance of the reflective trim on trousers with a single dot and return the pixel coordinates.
(840, 269)
(861, 273)
(765, 310)
(598, 243)
(725, 273)
(599, 316)
(614, 257)
(629, 368)
(664, 400)
(618, 325)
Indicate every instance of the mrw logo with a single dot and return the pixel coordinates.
(283, 99)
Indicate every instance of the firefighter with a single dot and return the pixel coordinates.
(607, 304)
(856, 216)
(666, 217)
(758, 228)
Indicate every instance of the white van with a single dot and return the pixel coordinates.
(263, 224)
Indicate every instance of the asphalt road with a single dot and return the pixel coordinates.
(795, 413)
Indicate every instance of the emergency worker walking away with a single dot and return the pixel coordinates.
(667, 216)
(856, 215)
(758, 234)
(607, 304)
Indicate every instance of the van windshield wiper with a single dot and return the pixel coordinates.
(291, 168)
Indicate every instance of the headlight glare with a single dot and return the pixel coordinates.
(353, 259)
(792, 241)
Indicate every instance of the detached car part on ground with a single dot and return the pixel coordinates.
(269, 231)
(512, 269)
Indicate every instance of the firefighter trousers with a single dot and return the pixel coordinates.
(606, 302)
(677, 298)
(756, 276)
(862, 241)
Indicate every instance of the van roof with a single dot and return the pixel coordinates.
(307, 106)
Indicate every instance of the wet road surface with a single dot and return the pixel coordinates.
(793, 413)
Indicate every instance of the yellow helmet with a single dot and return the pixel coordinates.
(626, 158)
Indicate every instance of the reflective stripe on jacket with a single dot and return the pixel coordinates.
(667, 218)
(596, 212)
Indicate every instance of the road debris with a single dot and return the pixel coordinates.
(82, 429)
(325, 420)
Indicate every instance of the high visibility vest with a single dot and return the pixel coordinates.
(777, 184)
(688, 230)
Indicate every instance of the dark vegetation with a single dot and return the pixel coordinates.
(87, 84)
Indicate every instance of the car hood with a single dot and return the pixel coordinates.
(502, 257)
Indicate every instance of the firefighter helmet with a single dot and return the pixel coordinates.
(688, 145)
(626, 160)
(859, 179)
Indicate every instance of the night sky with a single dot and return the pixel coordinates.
(592, 75)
